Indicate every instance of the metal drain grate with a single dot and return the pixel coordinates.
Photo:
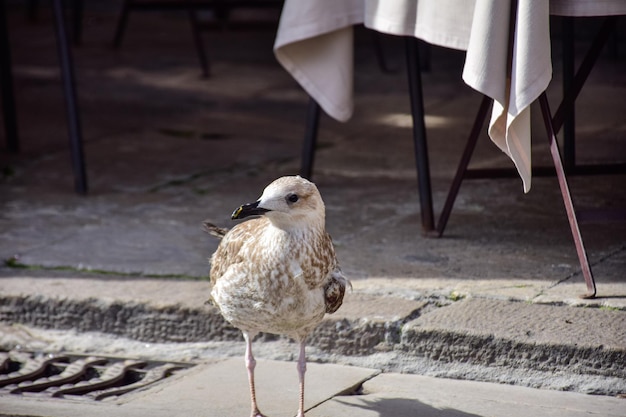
(76, 376)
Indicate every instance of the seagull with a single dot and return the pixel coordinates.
(277, 273)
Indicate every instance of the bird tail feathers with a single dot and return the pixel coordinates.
(213, 230)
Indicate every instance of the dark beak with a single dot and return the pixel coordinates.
(246, 210)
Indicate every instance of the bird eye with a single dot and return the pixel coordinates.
(292, 198)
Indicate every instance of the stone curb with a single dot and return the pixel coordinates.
(413, 334)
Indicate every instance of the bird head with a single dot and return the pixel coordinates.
(287, 202)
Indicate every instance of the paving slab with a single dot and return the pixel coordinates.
(412, 395)
(212, 389)
(158, 292)
(530, 323)
(507, 337)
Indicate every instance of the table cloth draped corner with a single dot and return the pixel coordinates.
(314, 44)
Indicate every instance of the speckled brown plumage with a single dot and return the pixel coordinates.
(277, 273)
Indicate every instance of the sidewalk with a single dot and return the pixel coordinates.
(219, 388)
(495, 299)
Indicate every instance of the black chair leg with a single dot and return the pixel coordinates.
(78, 7)
(121, 24)
(419, 134)
(198, 42)
(463, 164)
(31, 9)
(310, 139)
(69, 89)
(6, 80)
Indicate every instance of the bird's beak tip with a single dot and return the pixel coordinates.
(247, 210)
(236, 213)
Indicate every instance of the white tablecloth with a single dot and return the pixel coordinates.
(314, 43)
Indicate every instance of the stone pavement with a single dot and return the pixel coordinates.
(122, 271)
(219, 388)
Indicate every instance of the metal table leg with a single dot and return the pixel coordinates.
(122, 20)
(567, 198)
(481, 116)
(198, 42)
(6, 84)
(569, 125)
(69, 89)
(573, 84)
(419, 134)
(78, 8)
(310, 139)
(579, 79)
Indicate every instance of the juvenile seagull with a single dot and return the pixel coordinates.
(277, 273)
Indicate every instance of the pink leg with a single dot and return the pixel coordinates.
(250, 365)
(301, 371)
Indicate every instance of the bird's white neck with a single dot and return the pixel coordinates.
(298, 231)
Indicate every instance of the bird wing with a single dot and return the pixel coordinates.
(334, 290)
(334, 282)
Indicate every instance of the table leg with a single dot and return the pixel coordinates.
(197, 40)
(569, 125)
(6, 84)
(584, 70)
(567, 198)
(69, 89)
(481, 116)
(122, 20)
(310, 139)
(78, 8)
(419, 134)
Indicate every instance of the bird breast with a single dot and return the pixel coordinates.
(275, 288)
